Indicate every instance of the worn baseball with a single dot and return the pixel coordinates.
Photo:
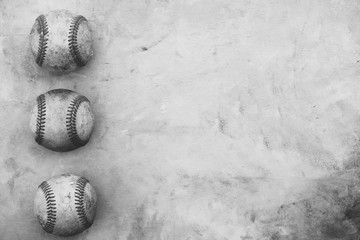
(61, 41)
(65, 205)
(62, 120)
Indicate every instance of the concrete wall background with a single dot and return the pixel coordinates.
(214, 119)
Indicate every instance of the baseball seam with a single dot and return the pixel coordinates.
(40, 122)
(44, 30)
(50, 206)
(79, 201)
(71, 121)
(73, 42)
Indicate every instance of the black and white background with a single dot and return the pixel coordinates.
(215, 120)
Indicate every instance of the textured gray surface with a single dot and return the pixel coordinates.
(214, 119)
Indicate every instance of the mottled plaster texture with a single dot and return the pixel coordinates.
(215, 120)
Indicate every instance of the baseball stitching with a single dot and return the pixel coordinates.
(71, 121)
(73, 45)
(79, 201)
(40, 122)
(50, 206)
(44, 31)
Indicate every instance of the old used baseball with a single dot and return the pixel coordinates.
(62, 120)
(65, 205)
(61, 41)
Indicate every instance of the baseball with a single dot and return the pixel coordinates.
(65, 205)
(61, 120)
(61, 41)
